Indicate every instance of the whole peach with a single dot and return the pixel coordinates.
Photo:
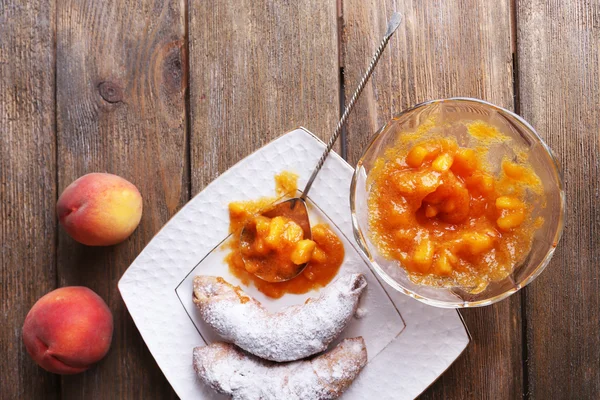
(100, 209)
(68, 330)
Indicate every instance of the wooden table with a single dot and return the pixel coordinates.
(169, 94)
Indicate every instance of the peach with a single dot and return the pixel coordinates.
(100, 209)
(68, 330)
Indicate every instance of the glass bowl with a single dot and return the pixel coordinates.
(453, 112)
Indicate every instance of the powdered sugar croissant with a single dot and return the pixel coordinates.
(293, 333)
(231, 371)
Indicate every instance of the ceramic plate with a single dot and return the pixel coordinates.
(409, 343)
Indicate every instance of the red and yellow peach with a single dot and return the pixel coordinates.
(100, 209)
(68, 330)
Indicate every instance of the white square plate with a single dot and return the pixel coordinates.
(409, 343)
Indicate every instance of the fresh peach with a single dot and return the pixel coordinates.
(100, 209)
(68, 330)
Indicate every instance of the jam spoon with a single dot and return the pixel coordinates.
(295, 208)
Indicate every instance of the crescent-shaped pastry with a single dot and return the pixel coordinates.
(232, 371)
(293, 333)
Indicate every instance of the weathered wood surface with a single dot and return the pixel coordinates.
(121, 109)
(442, 49)
(559, 81)
(124, 101)
(27, 187)
(257, 70)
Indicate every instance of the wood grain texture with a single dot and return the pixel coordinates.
(259, 68)
(27, 187)
(121, 109)
(442, 49)
(559, 79)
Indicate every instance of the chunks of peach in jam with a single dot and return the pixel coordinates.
(284, 239)
(281, 238)
(439, 210)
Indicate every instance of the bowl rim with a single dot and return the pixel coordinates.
(360, 239)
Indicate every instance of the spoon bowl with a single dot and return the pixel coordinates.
(295, 209)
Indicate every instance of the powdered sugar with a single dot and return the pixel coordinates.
(295, 332)
(245, 377)
(360, 312)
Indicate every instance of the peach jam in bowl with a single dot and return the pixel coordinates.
(457, 203)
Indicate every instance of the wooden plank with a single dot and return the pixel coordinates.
(27, 186)
(559, 80)
(122, 77)
(258, 69)
(442, 49)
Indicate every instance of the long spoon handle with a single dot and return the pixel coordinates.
(391, 28)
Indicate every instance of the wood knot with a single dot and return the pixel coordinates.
(110, 92)
(174, 66)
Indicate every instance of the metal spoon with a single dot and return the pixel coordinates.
(295, 209)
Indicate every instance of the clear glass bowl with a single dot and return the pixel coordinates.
(455, 111)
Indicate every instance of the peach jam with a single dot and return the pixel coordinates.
(280, 240)
(437, 208)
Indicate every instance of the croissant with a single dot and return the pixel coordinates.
(293, 333)
(232, 371)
